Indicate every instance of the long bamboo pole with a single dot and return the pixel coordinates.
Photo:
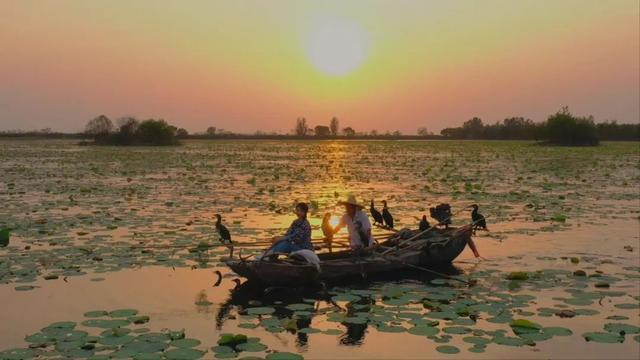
(421, 233)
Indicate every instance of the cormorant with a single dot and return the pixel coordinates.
(478, 219)
(327, 230)
(386, 215)
(424, 224)
(375, 214)
(442, 213)
(225, 236)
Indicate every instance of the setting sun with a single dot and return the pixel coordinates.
(336, 46)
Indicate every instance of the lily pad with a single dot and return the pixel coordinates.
(123, 313)
(447, 349)
(423, 330)
(4, 237)
(260, 310)
(252, 347)
(183, 354)
(621, 328)
(284, 356)
(603, 337)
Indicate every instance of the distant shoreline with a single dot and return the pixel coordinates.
(84, 137)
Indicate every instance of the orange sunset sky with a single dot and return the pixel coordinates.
(249, 65)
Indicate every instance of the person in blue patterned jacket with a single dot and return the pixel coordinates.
(297, 237)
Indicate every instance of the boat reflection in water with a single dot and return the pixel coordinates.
(251, 294)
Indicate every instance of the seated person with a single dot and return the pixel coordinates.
(297, 237)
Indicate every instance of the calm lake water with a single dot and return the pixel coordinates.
(100, 229)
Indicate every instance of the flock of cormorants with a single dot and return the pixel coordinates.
(441, 213)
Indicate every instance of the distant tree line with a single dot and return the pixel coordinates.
(303, 129)
(561, 128)
(131, 131)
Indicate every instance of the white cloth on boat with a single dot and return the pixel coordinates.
(309, 256)
(354, 237)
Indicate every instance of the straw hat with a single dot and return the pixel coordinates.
(351, 200)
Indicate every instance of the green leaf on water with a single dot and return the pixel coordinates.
(627, 306)
(95, 313)
(284, 356)
(518, 275)
(25, 287)
(183, 354)
(4, 237)
(458, 330)
(222, 349)
(524, 326)
(423, 330)
(252, 347)
(390, 329)
(231, 339)
(447, 349)
(105, 324)
(301, 306)
(185, 343)
(260, 310)
(345, 297)
(123, 313)
(621, 328)
(603, 337)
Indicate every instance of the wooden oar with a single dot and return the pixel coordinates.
(438, 273)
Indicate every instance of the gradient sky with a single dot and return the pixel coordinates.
(248, 65)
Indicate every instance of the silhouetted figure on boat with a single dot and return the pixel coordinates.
(424, 223)
(375, 214)
(327, 231)
(442, 213)
(386, 215)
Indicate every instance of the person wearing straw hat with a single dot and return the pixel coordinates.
(357, 223)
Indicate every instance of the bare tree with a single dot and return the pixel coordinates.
(422, 131)
(301, 127)
(334, 125)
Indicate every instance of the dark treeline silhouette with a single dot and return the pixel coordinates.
(131, 131)
(561, 128)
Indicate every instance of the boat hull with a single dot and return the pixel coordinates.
(438, 251)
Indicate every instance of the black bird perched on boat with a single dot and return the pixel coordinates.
(442, 213)
(327, 230)
(375, 214)
(424, 223)
(225, 236)
(386, 215)
(478, 219)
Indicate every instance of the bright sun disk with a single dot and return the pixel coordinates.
(336, 46)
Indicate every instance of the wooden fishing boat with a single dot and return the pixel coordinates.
(405, 250)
